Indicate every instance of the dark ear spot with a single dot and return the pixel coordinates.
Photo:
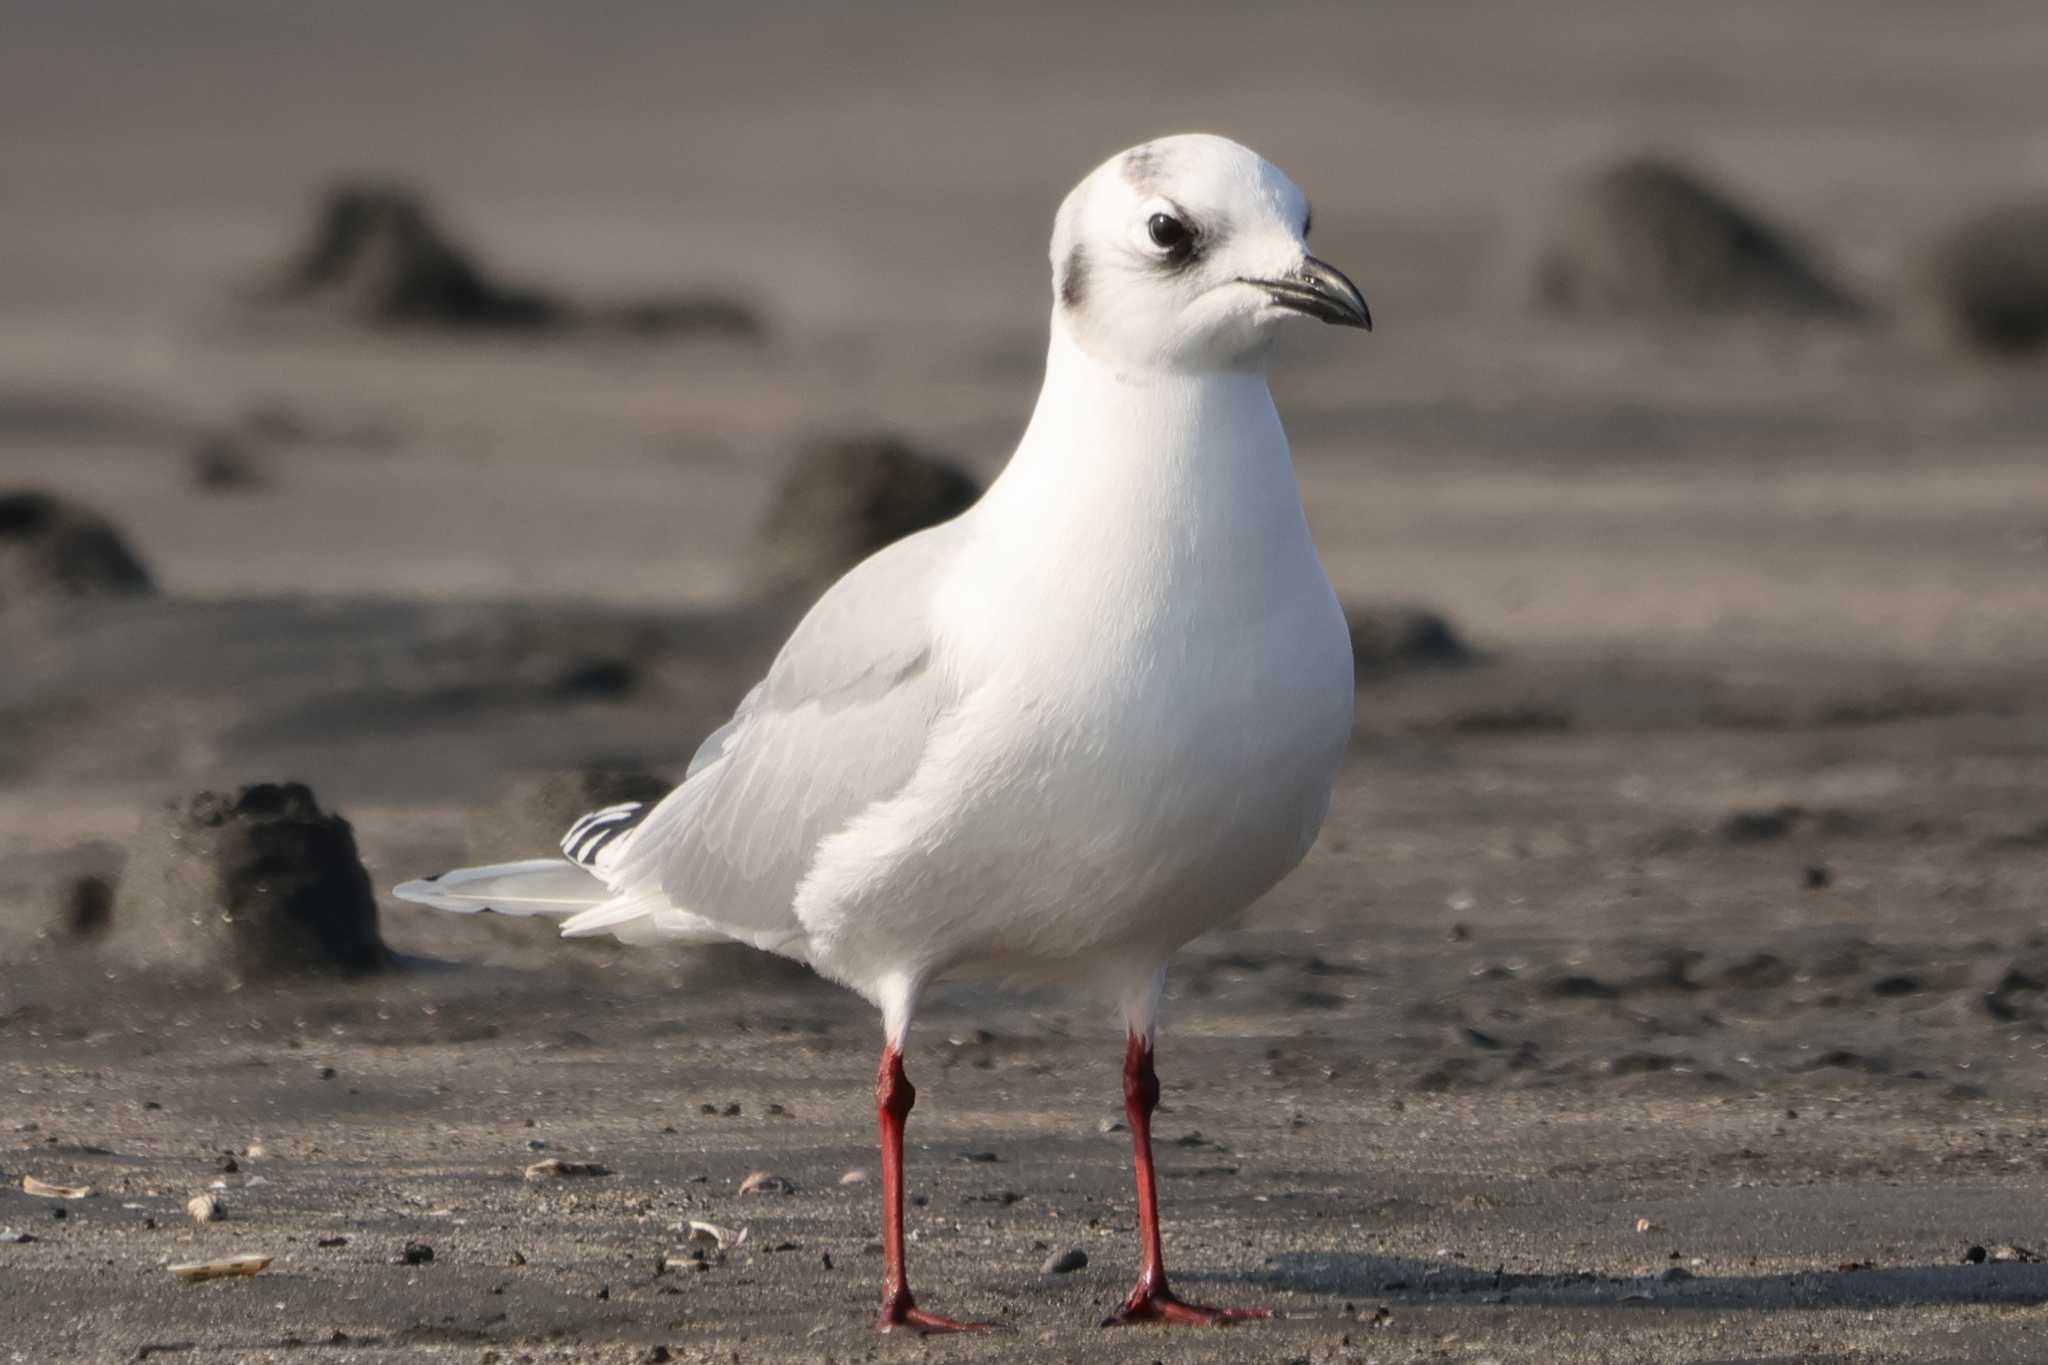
(1141, 167)
(1074, 279)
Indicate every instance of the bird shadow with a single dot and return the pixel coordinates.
(1404, 1280)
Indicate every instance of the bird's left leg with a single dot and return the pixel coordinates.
(894, 1096)
(1152, 1300)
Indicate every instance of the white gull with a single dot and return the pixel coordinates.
(1064, 733)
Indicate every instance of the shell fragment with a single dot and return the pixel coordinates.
(554, 1168)
(193, 1271)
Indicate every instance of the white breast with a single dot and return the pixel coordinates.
(1143, 748)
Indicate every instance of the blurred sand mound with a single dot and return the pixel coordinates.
(537, 812)
(1985, 285)
(223, 462)
(375, 255)
(1386, 637)
(1649, 236)
(52, 549)
(247, 887)
(849, 496)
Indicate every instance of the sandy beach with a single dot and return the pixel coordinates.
(1670, 983)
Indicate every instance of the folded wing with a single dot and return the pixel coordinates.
(840, 722)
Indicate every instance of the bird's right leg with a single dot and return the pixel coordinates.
(894, 1095)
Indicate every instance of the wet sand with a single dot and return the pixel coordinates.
(1708, 897)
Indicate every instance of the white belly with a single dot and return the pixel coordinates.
(1116, 821)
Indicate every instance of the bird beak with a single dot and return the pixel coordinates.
(1320, 290)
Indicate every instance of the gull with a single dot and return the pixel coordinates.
(1054, 739)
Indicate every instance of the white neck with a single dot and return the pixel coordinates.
(1149, 479)
(1145, 444)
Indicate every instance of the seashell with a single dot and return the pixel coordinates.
(714, 1237)
(704, 1248)
(31, 1185)
(192, 1271)
(554, 1168)
(767, 1182)
(206, 1208)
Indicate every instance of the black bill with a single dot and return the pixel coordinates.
(1320, 290)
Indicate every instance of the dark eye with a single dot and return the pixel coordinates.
(1168, 232)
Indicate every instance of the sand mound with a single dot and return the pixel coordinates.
(846, 498)
(700, 315)
(1387, 637)
(248, 887)
(1986, 283)
(1649, 236)
(376, 255)
(55, 550)
(222, 462)
(81, 908)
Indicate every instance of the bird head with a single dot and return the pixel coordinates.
(1188, 253)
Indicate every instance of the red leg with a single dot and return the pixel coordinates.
(1152, 1300)
(894, 1095)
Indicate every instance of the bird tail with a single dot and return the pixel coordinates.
(554, 887)
(570, 889)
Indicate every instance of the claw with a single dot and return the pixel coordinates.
(1163, 1305)
(901, 1311)
(923, 1323)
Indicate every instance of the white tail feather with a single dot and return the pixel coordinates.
(560, 890)
(538, 886)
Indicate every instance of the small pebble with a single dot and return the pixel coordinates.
(1064, 1262)
(415, 1253)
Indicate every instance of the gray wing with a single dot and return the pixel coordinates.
(839, 723)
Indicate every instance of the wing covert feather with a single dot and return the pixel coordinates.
(840, 722)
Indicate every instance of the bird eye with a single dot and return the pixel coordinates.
(1168, 232)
